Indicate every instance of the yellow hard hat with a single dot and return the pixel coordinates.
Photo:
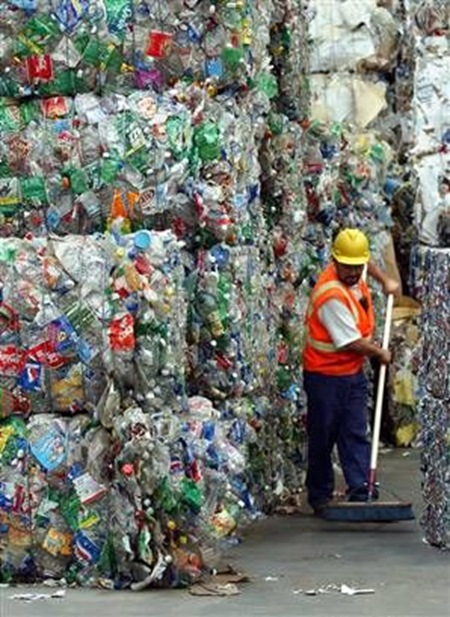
(351, 247)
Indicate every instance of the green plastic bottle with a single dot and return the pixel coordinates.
(207, 141)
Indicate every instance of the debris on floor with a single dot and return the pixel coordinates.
(344, 589)
(351, 591)
(221, 583)
(32, 597)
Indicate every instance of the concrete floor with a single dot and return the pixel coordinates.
(286, 556)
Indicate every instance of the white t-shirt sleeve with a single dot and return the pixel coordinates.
(339, 322)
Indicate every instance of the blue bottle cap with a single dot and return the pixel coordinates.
(142, 240)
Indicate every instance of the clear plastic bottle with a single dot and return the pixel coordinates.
(52, 550)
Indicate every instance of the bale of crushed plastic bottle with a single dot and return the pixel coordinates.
(434, 380)
(65, 47)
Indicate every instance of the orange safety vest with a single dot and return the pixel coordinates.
(320, 355)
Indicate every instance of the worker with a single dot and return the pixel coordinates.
(339, 329)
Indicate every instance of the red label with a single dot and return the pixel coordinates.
(40, 68)
(45, 354)
(121, 333)
(55, 107)
(12, 360)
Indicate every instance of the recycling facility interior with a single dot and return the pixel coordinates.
(171, 174)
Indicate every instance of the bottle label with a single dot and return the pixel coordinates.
(45, 354)
(30, 379)
(40, 68)
(58, 543)
(85, 549)
(88, 489)
(11, 360)
(69, 13)
(49, 449)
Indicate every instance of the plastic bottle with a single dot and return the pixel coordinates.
(15, 529)
(52, 550)
(13, 404)
(207, 307)
(207, 141)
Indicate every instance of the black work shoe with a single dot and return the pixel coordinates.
(320, 509)
(362, 494)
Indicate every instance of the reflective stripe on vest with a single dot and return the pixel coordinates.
(326, 347)
(326, 287)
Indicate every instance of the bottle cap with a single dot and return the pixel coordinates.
(142, 240)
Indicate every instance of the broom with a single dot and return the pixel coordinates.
(370, 510)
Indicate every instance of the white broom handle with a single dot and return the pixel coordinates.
(380, 389)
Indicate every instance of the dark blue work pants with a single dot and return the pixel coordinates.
(337, 414)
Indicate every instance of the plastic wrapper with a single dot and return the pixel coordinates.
(434, 372)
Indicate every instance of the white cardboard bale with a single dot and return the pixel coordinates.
(346, 98)
(431, 103)
(346, 34)
(340, 35)
(432, 196)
